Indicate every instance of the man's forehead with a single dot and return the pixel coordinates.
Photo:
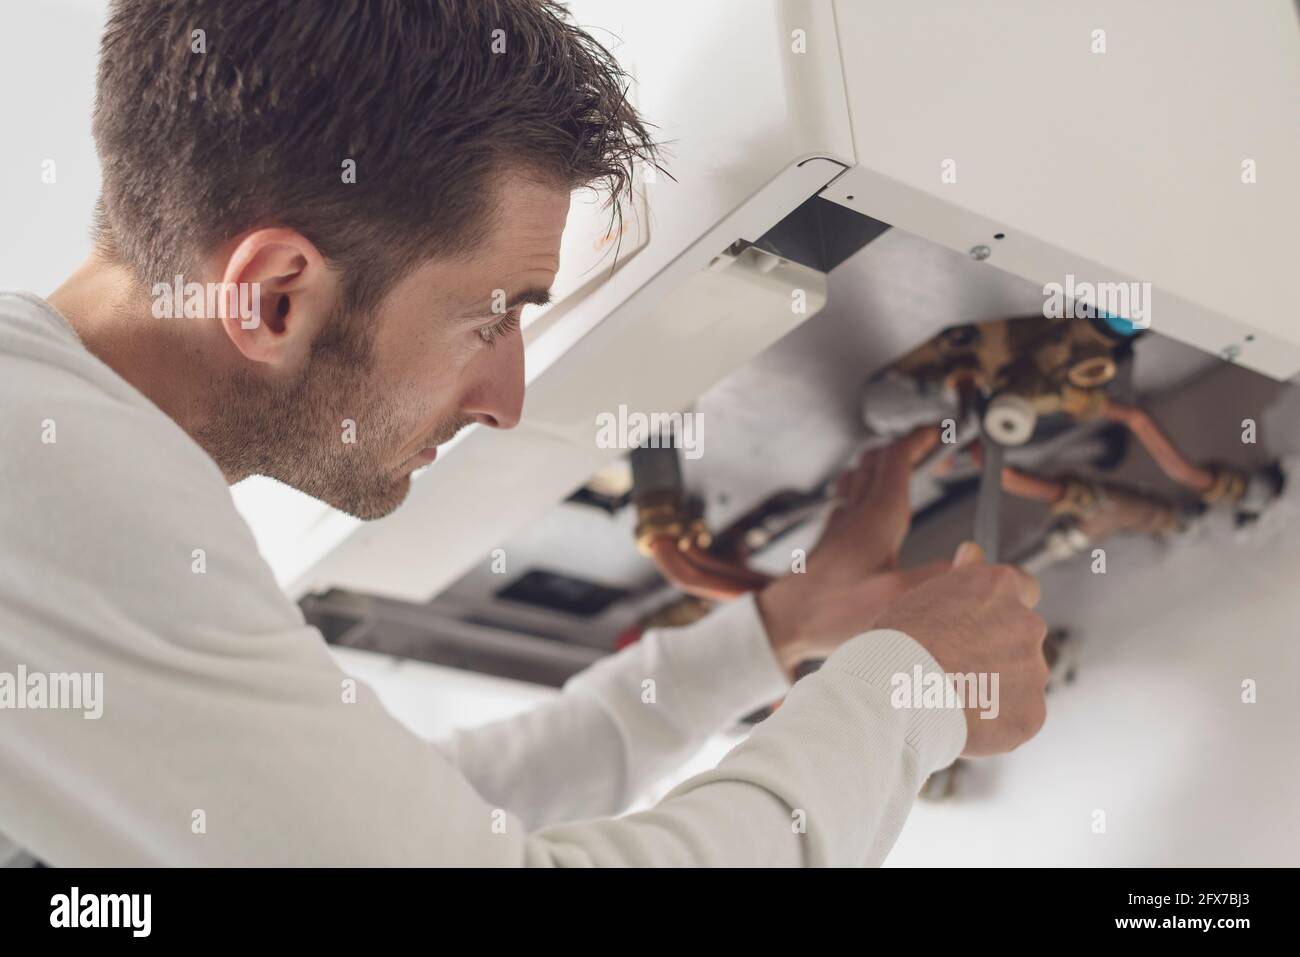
(510, 276)
(525, 238)
(520, 259)
(523, 208)
(517, 261)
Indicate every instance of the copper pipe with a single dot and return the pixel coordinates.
(1022, 484)
(1171, 461)
(674, 564)
(715, 566)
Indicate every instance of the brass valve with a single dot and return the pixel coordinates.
(1229, 485)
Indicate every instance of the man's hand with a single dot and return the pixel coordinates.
(852, 573)
(864, 533)
(978, 618)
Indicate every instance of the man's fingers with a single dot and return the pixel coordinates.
(895, 465)
(842, 484)
(1026, 586)
(862, 477)
(904, 454)
(1030, 591)
(920, 441)
(886, 467)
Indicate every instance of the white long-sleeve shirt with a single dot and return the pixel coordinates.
(228, 734)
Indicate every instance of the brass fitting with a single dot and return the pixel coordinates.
(1229, 485)
(659, 516)
(1104, 509)
(696, 535)
(1080, 498)
(1092, 370)
(1082, 404)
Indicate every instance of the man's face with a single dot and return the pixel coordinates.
(381, 392)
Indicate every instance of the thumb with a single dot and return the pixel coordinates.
(968, 553)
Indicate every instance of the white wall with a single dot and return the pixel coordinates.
(48, 53)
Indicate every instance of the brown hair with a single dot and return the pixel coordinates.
(196, 147)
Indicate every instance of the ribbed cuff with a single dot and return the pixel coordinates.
(728, 654)
(884, 658)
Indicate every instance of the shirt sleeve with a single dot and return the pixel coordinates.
(624, 723)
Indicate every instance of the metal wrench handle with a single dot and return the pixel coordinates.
(988, 503)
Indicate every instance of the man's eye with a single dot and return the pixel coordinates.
(499, 330)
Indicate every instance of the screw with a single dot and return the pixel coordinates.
(980, 253)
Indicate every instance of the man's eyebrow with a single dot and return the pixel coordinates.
(534, 295)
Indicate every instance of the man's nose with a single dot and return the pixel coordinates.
(496, 394)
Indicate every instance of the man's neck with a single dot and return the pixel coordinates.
(165, 359)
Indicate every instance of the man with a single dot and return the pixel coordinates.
(373, 180)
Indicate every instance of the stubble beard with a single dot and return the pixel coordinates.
(330, 434)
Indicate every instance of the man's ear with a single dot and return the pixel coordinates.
(277, 293)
